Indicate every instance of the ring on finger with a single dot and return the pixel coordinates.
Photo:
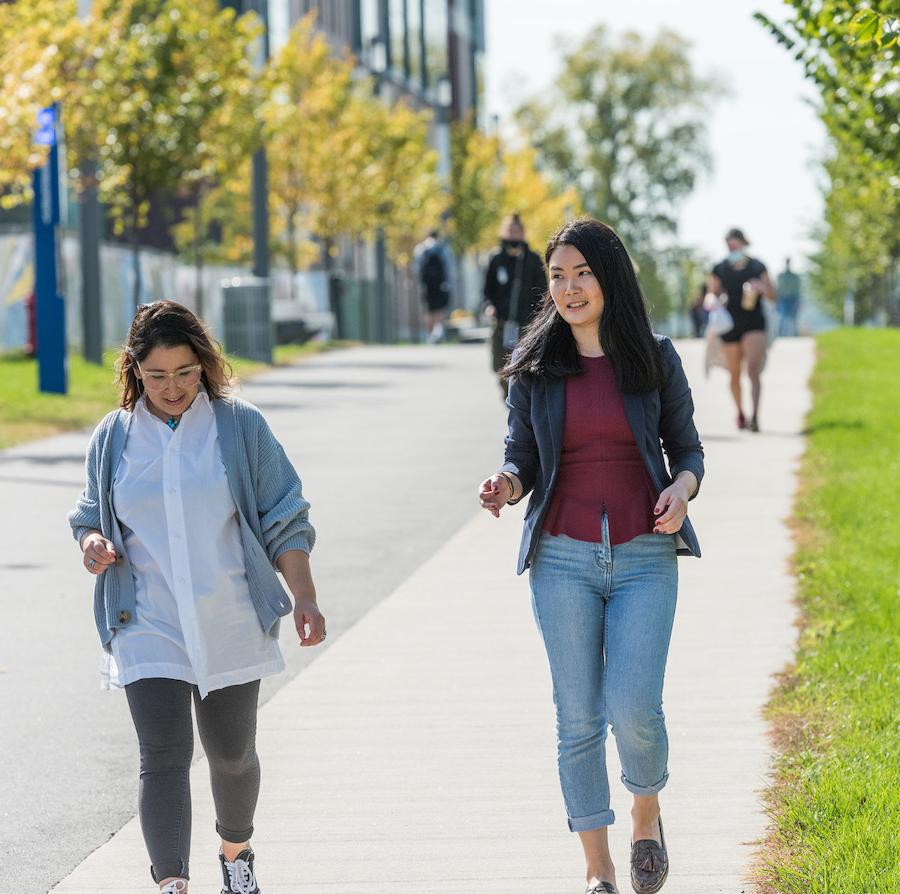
(91, 563)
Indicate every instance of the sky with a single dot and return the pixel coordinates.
(764, 137)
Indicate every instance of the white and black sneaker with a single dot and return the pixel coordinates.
(238, 877)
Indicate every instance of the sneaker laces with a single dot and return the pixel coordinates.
(178, 886)
(240, 877)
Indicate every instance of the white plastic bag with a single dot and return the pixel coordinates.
(720, 320)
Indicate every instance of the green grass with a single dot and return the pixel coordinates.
(836, 801)
(26, 414)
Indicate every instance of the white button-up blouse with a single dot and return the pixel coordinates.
(194, 618)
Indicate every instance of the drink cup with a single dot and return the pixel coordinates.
(749, 297)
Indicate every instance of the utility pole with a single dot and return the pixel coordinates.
(90, 219)
(260, 188)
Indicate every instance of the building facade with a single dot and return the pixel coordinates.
(430, 51)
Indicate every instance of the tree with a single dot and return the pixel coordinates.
(159, 93)
(542, 207)
(476, 188)
(307, 93)
(164, 102)
(489, 179)
(401, 172)
(859, 240)
(625, 126)
(851, 54)
(37, 37)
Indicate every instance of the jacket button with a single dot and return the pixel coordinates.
(124, 617)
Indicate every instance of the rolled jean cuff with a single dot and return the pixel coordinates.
(645, 790)
(234, 837)
(594, 821)
(170, 872)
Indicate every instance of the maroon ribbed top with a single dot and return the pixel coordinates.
(600, 465)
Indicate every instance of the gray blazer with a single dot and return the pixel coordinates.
(660, 420)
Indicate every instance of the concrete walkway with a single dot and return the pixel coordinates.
(417, 754)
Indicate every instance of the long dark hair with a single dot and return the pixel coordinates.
(548, 347)
(168, 324)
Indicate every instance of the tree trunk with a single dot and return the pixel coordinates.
(292, 250)
(333, 300)
(135, 261)
(198, 253)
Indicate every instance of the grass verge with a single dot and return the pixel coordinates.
(834, 804)
(26, 414)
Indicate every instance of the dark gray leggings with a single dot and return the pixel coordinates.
(226, 719)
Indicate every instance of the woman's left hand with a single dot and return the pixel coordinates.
(671, 509)
(309, 621)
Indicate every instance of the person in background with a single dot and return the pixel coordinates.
(595, 400)
(433, 267)
(190, 507)
(514, 286)
(699, 314)
(744, 283)
(787, 285)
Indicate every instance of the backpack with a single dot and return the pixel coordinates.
(432, 272)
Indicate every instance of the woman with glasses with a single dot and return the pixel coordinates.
(190, 507)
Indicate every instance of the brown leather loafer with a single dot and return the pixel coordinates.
(649, 864)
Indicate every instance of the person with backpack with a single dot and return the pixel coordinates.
(434, 276)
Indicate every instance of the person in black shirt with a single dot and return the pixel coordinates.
(744, 283)
(514, 287)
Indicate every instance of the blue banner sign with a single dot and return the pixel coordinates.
(50, 309)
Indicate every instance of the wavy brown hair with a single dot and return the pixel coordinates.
(167, 324)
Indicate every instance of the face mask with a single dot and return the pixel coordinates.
(511, 243)
(736, 256)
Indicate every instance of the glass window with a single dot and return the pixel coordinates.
(397, 38)
(436, 57)
(279, 24)
(416, 48)
(369, 30)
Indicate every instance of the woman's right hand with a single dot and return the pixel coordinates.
(98, 553)
(495, 493)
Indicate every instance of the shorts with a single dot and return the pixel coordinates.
(732, 336)
(436, 298)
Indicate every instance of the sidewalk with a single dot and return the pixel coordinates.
(417, 754)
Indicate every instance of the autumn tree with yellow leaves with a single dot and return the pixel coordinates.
(160, 94)
(490, 179)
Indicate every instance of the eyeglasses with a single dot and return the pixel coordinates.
(184, 378)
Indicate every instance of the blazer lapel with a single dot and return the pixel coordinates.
(634, 412)
(555, 396)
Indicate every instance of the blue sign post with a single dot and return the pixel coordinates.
(50, 309)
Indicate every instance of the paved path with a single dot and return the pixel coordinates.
(417, 754)
(367, 428)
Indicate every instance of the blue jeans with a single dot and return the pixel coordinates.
(605, 615)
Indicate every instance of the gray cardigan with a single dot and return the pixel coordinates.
(659, 420)
(272, 515)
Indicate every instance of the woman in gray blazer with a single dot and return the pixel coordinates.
(595, 400)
